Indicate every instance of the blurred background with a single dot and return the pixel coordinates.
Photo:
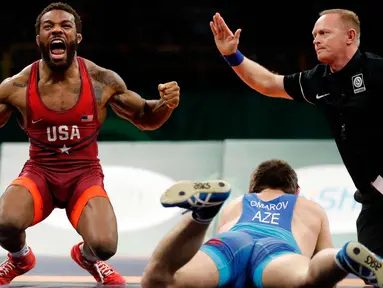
(221, 129)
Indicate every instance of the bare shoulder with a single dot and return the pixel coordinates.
(105, 77)
(232, 205)
(14, 83)
(236, 200)
(20, 79)
(228, 214)
(314, 207)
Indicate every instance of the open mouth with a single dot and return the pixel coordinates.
(57, 48)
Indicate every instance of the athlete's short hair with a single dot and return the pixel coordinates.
(274, 174)
(59, 6)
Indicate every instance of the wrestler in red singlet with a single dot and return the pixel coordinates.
(61, 102)
(63, 151)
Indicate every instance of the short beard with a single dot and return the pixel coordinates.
(61, 67)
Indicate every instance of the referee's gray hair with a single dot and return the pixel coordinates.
(347, 16)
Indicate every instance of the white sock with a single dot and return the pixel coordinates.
(86, 255)
(24, 251)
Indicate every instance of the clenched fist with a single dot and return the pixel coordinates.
(170, 94)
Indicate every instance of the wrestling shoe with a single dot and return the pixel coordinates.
(11, 267)
(102, 272)
(204, 199)
(356, 259)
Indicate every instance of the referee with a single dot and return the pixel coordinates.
(348, 87)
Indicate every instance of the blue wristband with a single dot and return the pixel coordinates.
(234, 59)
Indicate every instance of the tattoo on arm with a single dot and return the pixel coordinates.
(123, 102)
(98, 94)
(110, 79)
(18, 84)
(126, 103)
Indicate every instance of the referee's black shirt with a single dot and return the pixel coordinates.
(352, 101)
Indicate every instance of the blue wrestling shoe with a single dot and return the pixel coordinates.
(204, 199)
(356, 259)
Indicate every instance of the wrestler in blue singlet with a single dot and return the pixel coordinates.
(262, 233)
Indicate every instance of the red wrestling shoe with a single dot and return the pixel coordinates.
(13, 267)
(100, 270)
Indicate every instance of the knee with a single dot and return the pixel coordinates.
(11, 221)
(148, 281)
(16, 210)
(104, 247)
(154, 277)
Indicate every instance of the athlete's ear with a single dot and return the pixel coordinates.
(79, 38)
(38, 40)
(298, 191)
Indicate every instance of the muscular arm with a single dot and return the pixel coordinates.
(261, 79)
(5, 114)
(324, 240)
(129, 105)
(145, 114)
(5, 107)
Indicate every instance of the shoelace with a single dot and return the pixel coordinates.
(6, 266)
(103, 270)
